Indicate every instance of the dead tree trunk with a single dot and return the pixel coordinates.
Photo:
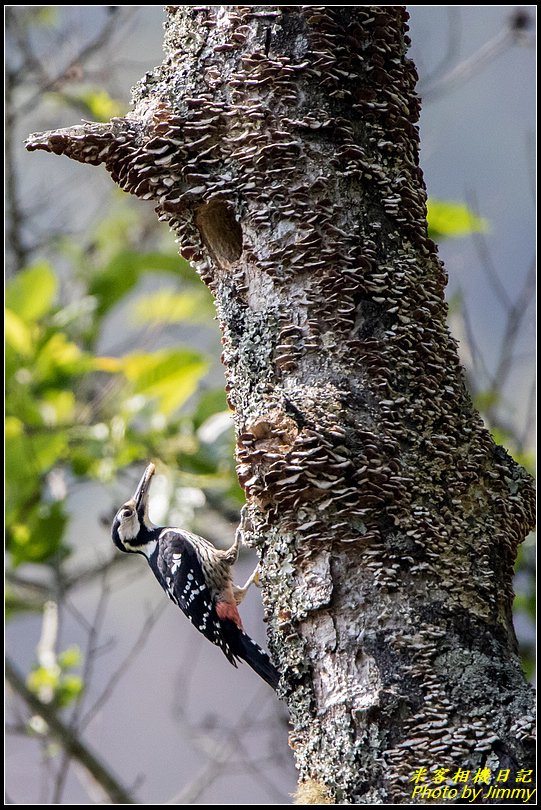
(280, 145)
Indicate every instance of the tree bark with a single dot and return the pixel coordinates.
(280, 145)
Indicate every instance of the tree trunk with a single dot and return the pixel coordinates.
(280, 145)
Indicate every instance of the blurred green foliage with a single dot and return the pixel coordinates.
(449, 220)
(54, 682)
(91, 102)
(73, 413)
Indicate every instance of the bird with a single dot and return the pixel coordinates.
(195, 575)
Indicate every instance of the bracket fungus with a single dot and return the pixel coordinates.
(281, 146)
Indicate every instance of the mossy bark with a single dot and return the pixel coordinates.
(280, 144)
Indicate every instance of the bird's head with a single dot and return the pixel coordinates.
(132, 529)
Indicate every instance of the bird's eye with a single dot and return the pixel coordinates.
(126, 512)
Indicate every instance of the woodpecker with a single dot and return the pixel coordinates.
(195, 575)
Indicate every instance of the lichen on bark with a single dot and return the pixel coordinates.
(280, 143)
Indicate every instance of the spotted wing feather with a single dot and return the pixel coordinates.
(178, 568)
(182, 577)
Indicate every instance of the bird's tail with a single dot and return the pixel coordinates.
(255, 657)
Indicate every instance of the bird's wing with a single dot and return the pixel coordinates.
(183, 579)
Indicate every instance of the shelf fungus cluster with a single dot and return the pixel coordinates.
(280, 144)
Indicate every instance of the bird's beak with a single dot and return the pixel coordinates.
(143, 488)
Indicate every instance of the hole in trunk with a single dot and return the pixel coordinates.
(220, 232)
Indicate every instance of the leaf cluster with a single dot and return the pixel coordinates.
(75, 413)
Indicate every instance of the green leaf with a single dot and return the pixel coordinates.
(57, 407)
(451, 220)
(209, 403)
(168, 306)
(89, 102)
(35, 452)
(99, 104)
(60, 356)
(485, 400)
(52, 685)
(69, 658)
(170, 375)
(43, 682)
(121, 227)
(82, 310)
(70, 688)
(18, 334)
(22, 400)
(22, 479)
(123, 272)
(13, 427)
(46, 16)
(31, 293)
(15, 603)
(39, 536)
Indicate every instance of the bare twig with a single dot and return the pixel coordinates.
(487, 265)
(15, 217)
(220, 752)
(43, 590)
(116, 677)
(95, 627)
(69, 742)
(258, 768)
(92, 645)
(515, 315)
(95, 45)
(454, 32)
(29, 71)
(479, 365)
(511, 34)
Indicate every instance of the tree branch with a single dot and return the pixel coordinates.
(67, 739)
(512, 33)
(115, 678)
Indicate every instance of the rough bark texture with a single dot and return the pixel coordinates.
(280, 144)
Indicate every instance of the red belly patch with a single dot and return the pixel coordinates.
(228, 610)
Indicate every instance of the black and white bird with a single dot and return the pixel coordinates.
(195, 575)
